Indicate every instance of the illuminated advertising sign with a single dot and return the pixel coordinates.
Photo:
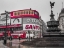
(31, 27)
(30, 21)
(24, 13)
(16, 21)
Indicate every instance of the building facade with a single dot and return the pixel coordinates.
(26, 20)
(43, 27)
(61, 20)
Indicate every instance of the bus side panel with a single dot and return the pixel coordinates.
(23, 35)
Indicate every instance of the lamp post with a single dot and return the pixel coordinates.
(5, 34)
(11, 30)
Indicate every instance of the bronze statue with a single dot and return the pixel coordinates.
(52, 15)
(52, 4)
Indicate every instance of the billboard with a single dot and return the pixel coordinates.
(16, 21)
(31, 27)
(30, 21)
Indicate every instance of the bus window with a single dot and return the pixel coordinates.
(17, 28)
(36, 13)
(0, 29)
(11, 28)
(23, 13)
(31, 12)
(8, 28)
(14, 29)
(26, 12)
(18, 13)
(4, 29)
(15, 13)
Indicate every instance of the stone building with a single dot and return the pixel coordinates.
(43, 27)
(61, 20)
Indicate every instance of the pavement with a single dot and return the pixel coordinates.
(1, 44)
(15, 42)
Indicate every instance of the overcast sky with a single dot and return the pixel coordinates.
(42, 6)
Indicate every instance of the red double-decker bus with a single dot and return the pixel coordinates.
(13, 31)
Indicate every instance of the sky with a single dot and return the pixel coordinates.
(42, 6)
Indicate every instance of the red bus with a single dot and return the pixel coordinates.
(14, 32)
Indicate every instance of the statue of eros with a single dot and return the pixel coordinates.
(52, 4)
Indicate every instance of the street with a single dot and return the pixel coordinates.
(15, 43)
(1, 45)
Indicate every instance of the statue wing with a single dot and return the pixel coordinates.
(50, 2)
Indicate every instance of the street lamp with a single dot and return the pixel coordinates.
(5, 33)
(11, 30)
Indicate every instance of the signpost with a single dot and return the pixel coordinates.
(5, 34)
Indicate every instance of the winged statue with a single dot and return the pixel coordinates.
(52, 4)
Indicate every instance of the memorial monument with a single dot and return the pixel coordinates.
(52, 25)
